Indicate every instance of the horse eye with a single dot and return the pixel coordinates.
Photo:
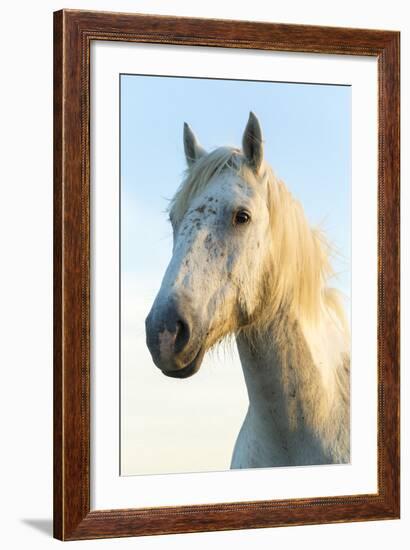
(242, 217)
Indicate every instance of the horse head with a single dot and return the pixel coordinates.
(212, 286)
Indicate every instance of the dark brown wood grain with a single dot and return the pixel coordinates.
(58, 281)
(73, 33)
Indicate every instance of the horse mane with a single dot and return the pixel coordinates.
(299, 265)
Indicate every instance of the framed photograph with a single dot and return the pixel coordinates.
(226, 275)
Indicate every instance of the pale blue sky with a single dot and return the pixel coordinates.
(307, 133)
(168, 425)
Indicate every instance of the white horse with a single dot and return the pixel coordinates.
(246, 263)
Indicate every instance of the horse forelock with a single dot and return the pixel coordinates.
(198, 176)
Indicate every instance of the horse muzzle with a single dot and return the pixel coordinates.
(174, 347)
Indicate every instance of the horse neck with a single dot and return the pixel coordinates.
(296, 388)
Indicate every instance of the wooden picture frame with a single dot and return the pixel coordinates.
(74, 32)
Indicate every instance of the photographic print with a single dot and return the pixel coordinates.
(235, 274)
(226, 275)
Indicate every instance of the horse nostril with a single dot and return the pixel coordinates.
(182, 335)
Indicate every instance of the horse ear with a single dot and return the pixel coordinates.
(193, 149)
(252, 143)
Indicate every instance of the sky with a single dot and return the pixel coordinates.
(169, 425)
